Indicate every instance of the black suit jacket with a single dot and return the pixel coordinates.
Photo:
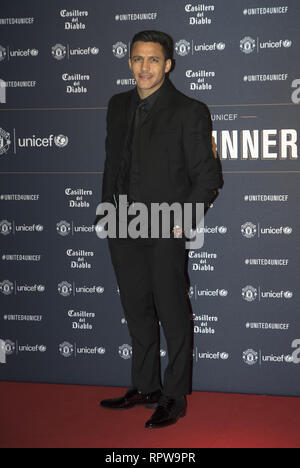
(176, 160)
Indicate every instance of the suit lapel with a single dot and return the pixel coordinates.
(129, 115)
(162, 102)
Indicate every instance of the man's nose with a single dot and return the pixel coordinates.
(145, 65)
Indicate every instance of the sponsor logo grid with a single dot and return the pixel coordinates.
(258, 296)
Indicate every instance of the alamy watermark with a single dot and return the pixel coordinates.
(133, 221)
(296, 93)
(296, 353)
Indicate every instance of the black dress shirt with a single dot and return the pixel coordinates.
(128, 176)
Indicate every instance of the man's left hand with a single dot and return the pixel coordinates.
(177, 231)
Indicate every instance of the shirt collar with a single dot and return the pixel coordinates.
(149, 101)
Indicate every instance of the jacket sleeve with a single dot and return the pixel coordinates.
(201, 163)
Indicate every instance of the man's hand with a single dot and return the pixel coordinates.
(177, 231)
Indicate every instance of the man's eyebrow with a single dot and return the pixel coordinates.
(150, 56)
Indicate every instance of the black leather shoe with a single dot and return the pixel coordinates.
(132, 398)
(168, 411)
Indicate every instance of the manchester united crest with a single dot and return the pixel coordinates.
(5, 141)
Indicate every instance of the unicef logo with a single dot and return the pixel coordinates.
(288, 359)
(5, 227)
(287, 230)
(250, 357)
(120, 50)
(288, 294)
(95, 50)
(223, 292)
(191, 292)
(182, 47)
(61, 141)
(6, 287)
(125, 351)
(248, 45)
(63, 228)
(5, 141)
(249, 230)
(221, 46)
(2, 53)
(249, 293)
(39, 227)
(65, 289)
(224, 356)
(59, 52)
(222, 229)
(287, 43)
(99, 228)
(66, 349)
(34, 52)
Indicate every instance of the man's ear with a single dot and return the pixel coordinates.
(168, 65)
(129, 63)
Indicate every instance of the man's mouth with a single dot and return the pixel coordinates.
(145, 77)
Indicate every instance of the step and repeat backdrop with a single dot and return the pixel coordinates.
(61, 318)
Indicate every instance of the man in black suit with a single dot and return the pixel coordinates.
(158, 150)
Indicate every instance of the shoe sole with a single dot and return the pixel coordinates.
(146, 405)
(174, 421)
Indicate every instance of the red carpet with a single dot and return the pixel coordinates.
(40, 415)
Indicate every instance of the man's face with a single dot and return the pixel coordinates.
(148, 66)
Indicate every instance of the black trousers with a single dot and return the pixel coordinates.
(152, 279)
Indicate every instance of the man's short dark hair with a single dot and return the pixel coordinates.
(162, 38)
